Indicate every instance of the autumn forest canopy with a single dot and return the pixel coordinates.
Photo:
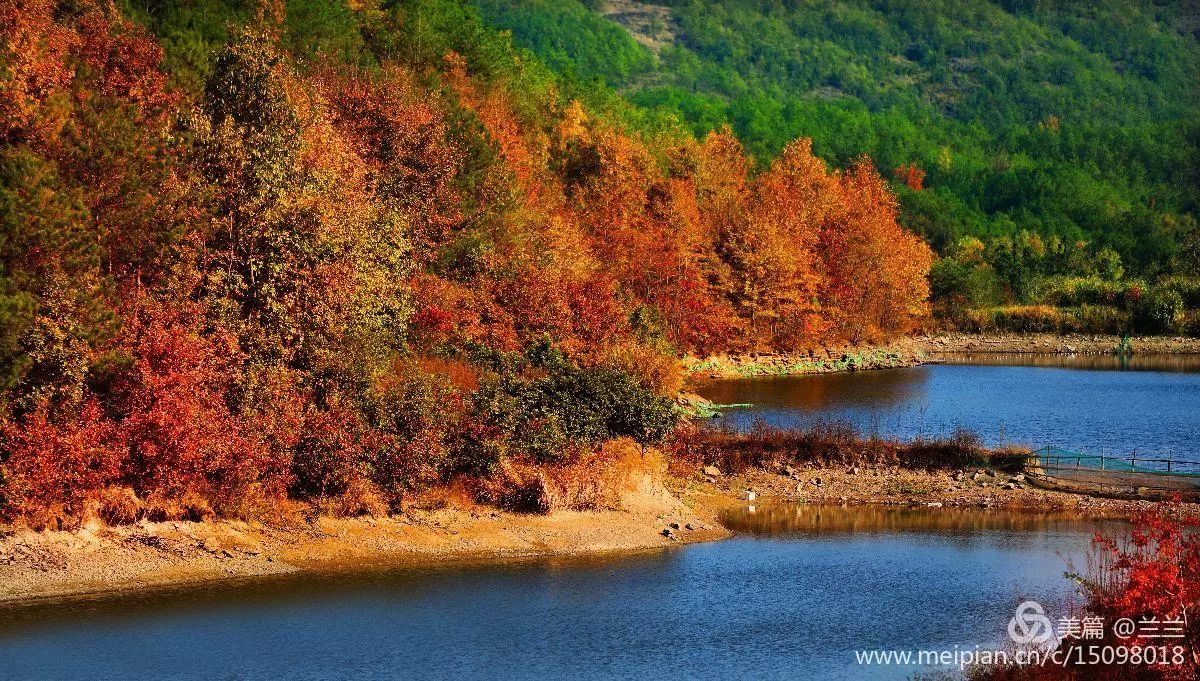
(265, 252)
(309, 250)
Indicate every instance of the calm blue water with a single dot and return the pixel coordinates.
(1151, 406)
(792, 599)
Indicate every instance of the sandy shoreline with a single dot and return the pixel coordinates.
(98, 559)
(55, 565)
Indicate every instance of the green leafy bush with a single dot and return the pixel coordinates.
(1159, 311)
(957, 285)
(1046, 319)
(1188, 289)
(1102, 319)
(552, 406)
(1075, 291)
(1022, 318)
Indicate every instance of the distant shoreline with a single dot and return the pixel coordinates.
(1050, 344)
(823, 361)
(925, 348)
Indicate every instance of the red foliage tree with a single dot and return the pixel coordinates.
(177, 426)
(1153, 573)
(911, 175)
(876, 283)
(56, 463)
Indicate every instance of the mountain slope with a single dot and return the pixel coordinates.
(1071, 119)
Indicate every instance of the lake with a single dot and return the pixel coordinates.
(793, 596)
(1144, 404)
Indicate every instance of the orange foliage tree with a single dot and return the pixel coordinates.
(876, 284)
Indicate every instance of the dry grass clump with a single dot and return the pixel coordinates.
(56, 516)
(116, 506)
(595, 481)
(190, 506)
(360, 498)
(120, 505)
(824, 444)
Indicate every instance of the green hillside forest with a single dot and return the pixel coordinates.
(1032, 126)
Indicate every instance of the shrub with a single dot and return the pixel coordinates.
(187, 506)
(1154, 570)
(653, 370)
(360, 497)
(328, 459)
(963, 448)
(1188, 289)
(593, 482)
(50, 468)
(417, 414)
(1159, 311)
(116, 506)
(1076, 291)
(823, 444)
(1102, 319)
(1191, 324)
(1021, 319)
(1150, 573)
(1047, 319)
(554, 406)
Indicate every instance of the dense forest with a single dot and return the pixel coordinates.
(321, 251)
(996, 119)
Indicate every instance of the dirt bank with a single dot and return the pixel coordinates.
(98, 559)
(892, 486)
(925, 348)
(823, 361)
(146, 554)
(1047, 344)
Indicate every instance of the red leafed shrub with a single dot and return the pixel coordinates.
(50, 466)
(912, 175)
(328, 458)
(177, 426)
(1153, 572)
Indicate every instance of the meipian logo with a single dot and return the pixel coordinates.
(1030, 624)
